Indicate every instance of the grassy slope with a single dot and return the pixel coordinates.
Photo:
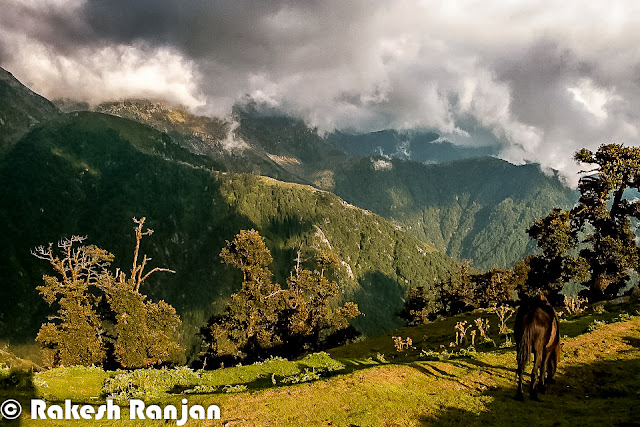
(597, 384)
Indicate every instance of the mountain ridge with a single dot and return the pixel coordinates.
(460, 214)
(20, 109)
(89, 173)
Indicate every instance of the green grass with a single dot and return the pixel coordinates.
(79, 383)
(369, 383)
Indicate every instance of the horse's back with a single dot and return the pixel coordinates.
(545, 326)
(536, 323)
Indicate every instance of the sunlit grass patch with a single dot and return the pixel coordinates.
(598, 381)
(78, 383)
(156, 385)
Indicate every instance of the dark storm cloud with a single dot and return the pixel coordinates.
(234, 32)
(50, 23)
(572, 98)
(546, 78)
(197, 27)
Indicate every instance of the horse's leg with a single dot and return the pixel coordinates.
(543, 372)
(519, 372)
(537, 362)
(551, 368)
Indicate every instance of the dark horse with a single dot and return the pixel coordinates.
(537, 331)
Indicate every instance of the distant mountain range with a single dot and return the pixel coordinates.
(421, 147)
(459, 199)
(475, 208)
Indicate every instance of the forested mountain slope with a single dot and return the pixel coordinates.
(457, 198)
(477, 209)
(90, 173)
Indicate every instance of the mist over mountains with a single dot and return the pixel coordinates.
(395, 222)
(460, 199)
(542, 79)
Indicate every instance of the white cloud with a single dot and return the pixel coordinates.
(382, 165)
(592, 98)
(547, 78)
(106, 73)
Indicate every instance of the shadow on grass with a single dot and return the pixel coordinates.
(17, 386)
(632, 341)
(492, 369)
(431, 371)
(602, 393)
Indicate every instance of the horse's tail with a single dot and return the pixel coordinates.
(524, 346)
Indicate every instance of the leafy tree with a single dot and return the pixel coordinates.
(419, 307)
(248, 252)
(249, 324)
(548, 272)
(102, 318)
(144, 333)
(494, 287)
(462, 291)
(458, 290)
(593, 243)
(310, 318)
(263, 318)
(611, 250)
(74, 336)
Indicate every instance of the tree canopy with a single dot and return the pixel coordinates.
(594, 243)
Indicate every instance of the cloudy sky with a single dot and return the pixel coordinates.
(546, 77)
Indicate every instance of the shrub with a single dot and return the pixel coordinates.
(574, 304)
(148, 384)
(595, 325)
(504, 313)
(153, 384)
